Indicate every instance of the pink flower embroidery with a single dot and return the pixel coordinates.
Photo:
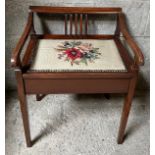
(73, 53)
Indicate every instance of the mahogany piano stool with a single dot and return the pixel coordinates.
(76, 62)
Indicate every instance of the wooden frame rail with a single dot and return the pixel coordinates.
(88, 10)
(15, 59)
(139, 58)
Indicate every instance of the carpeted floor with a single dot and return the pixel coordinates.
(77, 125)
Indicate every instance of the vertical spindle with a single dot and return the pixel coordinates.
(71, 20)
(81, 18)
(76, 22)
(86, 23)
(65, 24)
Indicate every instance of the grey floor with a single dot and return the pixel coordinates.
(77, 125)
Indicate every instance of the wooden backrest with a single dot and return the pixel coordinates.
(75, 16)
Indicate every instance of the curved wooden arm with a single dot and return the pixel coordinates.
(139, 58)
(15, 59)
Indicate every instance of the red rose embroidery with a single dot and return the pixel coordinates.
(73, 53)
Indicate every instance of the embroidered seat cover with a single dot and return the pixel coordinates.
(55, 55)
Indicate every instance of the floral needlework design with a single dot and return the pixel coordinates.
(77, 52)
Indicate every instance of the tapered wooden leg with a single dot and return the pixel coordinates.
(126, 110)
(39, 97)
(23, 107)
(107, 96)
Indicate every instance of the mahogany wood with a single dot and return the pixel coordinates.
(29, 82)
(65, 24)
(107, 96)
(81, 20)
(71, 20)
(94, 10)
(23, 106)
(61, 36)
(77, 75)
(76, 24)
(117, 31)
(28, 53)
(137, 51)
(62, 86)
(15, 59)
(124, 54)
(126, 109)
(39, 97)
(86, 23)
(33, 28)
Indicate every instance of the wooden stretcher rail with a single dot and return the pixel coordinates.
(73, 75)
(61, 36)
(49, 86)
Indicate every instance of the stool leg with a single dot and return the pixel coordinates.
(39, 97)
(126, 110)
(107, 96)
(23, 107)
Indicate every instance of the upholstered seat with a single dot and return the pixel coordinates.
(77, 55)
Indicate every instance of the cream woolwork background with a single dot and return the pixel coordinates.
(46, 58)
